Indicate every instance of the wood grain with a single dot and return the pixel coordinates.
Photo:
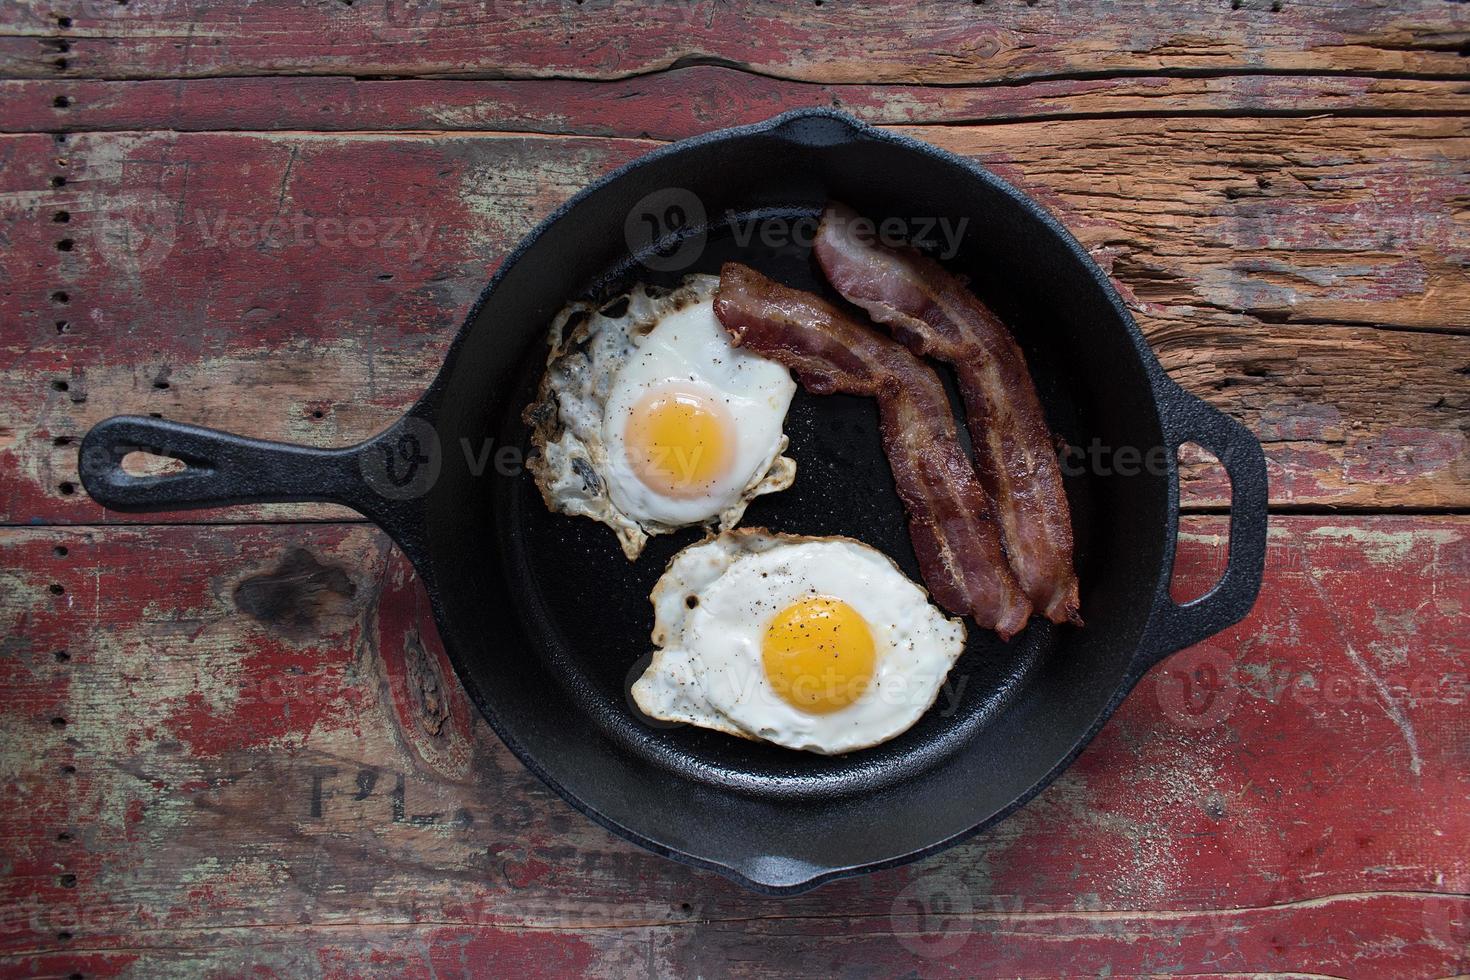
(272, 768)
(253, 758)
(681, 102)
(1262, 276)
(930, 42)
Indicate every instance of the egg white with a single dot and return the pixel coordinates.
(711, 610)
(603, 361)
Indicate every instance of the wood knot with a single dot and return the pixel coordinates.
(425, 685)
(296, 595)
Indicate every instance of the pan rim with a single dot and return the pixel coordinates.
(427, 406)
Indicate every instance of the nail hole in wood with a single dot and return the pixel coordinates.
(58, 722)
(63, 326)
(58, 181)
(60, 64)
(60, 296)
(64, 936)
(57, 588)
(63, 22)
(67, 881)
(62, 101)
(61, 441)
(67, 488)
(161, 385)
(65, 245)
(317, 413)
(69, 769)
(59, 386)
(61, 656)
(61, 217)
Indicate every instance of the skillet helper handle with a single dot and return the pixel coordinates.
(380, 478)
(1174, 626)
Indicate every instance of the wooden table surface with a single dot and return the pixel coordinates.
(231, 742)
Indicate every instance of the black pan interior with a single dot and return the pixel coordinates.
(548, 622)
(593, 615)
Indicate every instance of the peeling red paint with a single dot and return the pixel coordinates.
(1292, 813)
(281, 690)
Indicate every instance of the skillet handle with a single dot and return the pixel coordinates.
(379, 478)
(1173, 626)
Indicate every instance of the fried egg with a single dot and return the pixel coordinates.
(817, 644)
(648, 420)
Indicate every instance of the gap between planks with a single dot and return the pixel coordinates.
(1185, 510)
(965, 123)
(997, 915)
(702, 61)
(346, 134)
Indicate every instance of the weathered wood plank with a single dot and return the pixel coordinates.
(833, 42)
(229, 264)
(270, 767)
(1299, 941)
(1308, 220)
(678, 103)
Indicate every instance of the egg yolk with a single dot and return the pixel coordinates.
(679, 443)
(818, 655)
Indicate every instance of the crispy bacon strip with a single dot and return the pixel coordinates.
(954, 537)
(933, 313)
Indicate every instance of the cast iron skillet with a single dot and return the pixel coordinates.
(546, 622)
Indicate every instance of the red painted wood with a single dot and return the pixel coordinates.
(304, 286)
(840, 42)
(309, 790)
(253, 758)
(671, 104)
